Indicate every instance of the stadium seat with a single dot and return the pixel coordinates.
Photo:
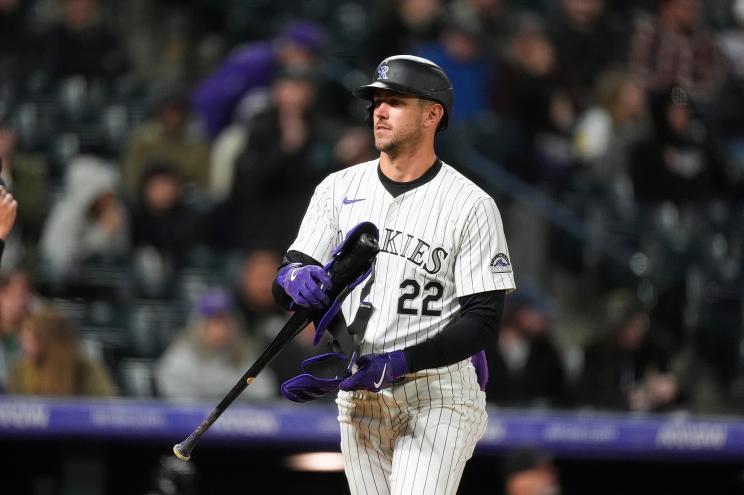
(136, 376)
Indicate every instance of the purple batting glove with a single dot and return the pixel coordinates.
(306, 387)
(376, 371)
(306, 285)
(322, 374)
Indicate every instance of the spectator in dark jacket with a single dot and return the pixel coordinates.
(15, 43)
(679, 161)
(283, 156)
(525, 367)
(165, 229)
(402, 26)
(587, 41)
(538, 99)
(629, 368)
(79, 44)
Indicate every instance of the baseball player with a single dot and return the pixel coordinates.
(412, 406)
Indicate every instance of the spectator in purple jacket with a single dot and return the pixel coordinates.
(251, 68)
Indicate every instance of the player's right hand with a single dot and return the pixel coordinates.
(306, 285)
(322, 374)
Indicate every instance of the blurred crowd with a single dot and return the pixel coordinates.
(162, 153)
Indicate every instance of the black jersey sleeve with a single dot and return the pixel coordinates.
(476, 327)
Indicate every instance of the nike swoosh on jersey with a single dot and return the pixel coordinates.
(293, 274)
(382, 377)
(348, 201)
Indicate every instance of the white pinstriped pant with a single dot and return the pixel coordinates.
(413, 438)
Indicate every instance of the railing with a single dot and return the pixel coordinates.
(575, 434)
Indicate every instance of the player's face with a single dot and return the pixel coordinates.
(397, 121)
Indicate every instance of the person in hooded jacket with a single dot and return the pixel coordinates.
(88, 221)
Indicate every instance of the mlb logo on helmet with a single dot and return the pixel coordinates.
(382, 72)
(500, 264)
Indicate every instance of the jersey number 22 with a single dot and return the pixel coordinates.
(411, 290)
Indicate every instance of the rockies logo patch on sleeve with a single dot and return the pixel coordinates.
(500, 264)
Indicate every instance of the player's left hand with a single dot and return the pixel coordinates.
(376, 371)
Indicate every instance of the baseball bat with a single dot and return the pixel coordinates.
(347, 269)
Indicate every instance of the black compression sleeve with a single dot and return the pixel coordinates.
(280, 296)
(474, 330)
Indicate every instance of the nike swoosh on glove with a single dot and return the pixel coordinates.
(376, 371)
(306, 285)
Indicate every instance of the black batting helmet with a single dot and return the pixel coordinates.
(412, 75)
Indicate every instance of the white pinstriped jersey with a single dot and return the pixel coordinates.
(439, 241)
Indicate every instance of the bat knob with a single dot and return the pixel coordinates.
(181, 453)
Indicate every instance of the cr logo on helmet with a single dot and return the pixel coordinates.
(382, 72)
